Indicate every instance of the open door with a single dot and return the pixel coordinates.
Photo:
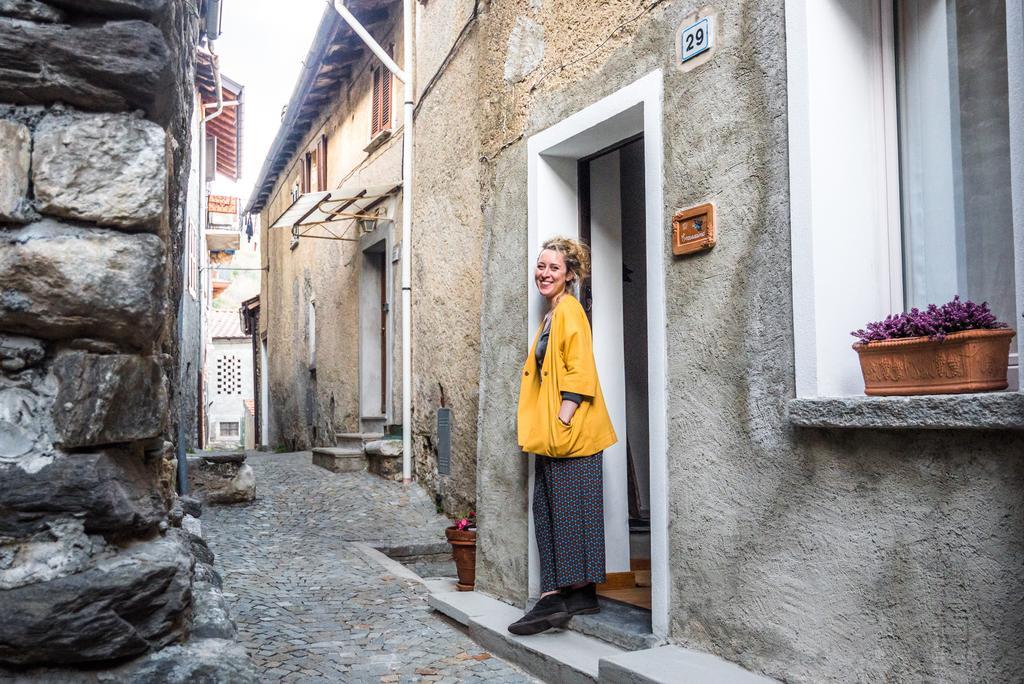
(612, 222)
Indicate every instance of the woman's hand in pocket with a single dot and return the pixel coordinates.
(566, 411)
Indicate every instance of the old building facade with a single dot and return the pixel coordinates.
(791, 524)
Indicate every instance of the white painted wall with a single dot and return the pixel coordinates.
(844, 185)
(607, 321)
(227, 407)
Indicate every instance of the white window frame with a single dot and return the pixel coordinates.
(844, 181)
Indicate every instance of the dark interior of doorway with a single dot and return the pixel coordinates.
(633, 587)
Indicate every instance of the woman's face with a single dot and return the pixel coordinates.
(551, 275)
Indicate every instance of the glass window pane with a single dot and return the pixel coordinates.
(954, 153)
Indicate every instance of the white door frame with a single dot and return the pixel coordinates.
(552, 157)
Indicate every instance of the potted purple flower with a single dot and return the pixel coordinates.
(462, 537)
(956, 347)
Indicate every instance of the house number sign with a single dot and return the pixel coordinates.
(693, 230)
(696, 39)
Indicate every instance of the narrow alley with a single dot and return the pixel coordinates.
(313, 603)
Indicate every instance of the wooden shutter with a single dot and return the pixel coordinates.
(305, 173)
(375, 126)
(321, 163)
(385, 104)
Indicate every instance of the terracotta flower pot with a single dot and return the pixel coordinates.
(464, 552)
(968, 361)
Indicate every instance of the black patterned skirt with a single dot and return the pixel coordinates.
(568, 519)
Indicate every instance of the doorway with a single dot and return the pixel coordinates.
(373, 338)
(601, 170)
(612, 223)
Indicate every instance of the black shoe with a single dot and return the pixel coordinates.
(549, 612)
(582, 601)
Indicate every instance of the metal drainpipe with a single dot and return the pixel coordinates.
(405, 76)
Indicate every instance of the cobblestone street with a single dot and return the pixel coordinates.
(312, 605)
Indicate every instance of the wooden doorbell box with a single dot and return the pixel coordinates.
(693, 230)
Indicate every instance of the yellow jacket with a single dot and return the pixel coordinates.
(568, 367)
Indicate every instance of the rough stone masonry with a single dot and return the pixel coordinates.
(100, 568)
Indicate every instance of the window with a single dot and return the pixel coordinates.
(229, 429)
(954, 139)
(192, 260)
(900, 180)
(229, 375)
(314, 167)
(380, 111)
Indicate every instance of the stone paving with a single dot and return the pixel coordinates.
(311, 606)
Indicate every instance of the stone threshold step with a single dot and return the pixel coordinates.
(563, 656)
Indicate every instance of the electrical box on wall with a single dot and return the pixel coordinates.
(693, 230)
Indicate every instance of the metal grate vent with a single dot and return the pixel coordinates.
(444, 441)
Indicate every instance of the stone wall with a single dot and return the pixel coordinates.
(95, 98)
(807, 555)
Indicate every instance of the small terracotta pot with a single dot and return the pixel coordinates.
(968, 361)
(464, 552)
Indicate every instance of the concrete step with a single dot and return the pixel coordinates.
(625, 626)
(674, 665)
(567, 656)
(384, 458)
(355, 440)
(554, 656)
(339, 460)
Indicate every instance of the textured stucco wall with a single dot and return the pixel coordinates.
(810, 556)
(448, 257)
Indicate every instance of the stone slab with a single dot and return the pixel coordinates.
(98, 283)
(108, 398)
(554, 656)
(981, 411)
(113, 66)
(338, 460)
(462, 606)
(674, 665)
(15, 157)
(109, 169)
(625, 626)
(111, 492)
(122, 605)
(30, 10)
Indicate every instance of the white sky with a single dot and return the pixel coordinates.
(262, 45)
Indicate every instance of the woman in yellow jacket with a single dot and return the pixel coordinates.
(562, 419)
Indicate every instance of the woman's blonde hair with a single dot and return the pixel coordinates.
(575, 253)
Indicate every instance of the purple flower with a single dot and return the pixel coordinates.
(935, 322)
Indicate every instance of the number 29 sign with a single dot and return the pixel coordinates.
(696, 39)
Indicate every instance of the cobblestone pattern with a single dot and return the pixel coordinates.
(311, 607)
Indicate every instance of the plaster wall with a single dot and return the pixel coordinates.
(191, 337)
(228, 406)
(806, 555)
(308, 407)
(448, 257)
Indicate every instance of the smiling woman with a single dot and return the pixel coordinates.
(562, 418)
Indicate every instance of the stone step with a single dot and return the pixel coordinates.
(384, 458)
(339, 460)
(674, 665)
(567, 656)
(355, 440)
(555, 656)
(623, 625)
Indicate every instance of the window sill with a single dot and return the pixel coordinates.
(378, 140)
(982, 411)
